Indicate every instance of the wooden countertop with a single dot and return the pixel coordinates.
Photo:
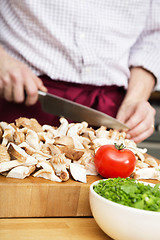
(51, 228)
(34, 194)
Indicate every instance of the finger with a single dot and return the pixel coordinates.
(122, 115)
(125, 112)
(18, 93)
(17, 87)
(30, 89)
(40, 84)
(139, 129)
(143, 126)
(31, 92)
(143, 135)
(7, 89)
(138, 116)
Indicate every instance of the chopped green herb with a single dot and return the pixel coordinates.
(128, 192)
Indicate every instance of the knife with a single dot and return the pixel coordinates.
(74, 111)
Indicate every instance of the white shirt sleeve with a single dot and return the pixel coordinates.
(146, 51)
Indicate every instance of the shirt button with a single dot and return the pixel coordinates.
(88, 69)
(82, 35)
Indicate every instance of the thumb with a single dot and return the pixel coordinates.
(40, 84)
(124, 113)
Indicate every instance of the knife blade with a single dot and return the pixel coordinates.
(74, 111)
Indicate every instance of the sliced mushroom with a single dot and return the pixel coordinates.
(47, 171)
(21, 172)
(113, 134)
(30, 161)
(58, 158)
(133, 147)
(17, 152)
(87, 157)
(45, 165)
(23, 130)
(29, 123)
(50, 149)
(40, 156)
(139, 153)
(78, 172)
(65, 141)
(102, 132)
(64, 176)
(91, 169)
(18, 137)
(85, 142)
(33, 140)
(98, 142)
(140, 156)
(63, 128)
(4, 155)
(8, 135)
(151, 162)
(27, 148)
(35, 125)
(58, 162)
(3, 125)
(87, 160)
(130, 143)
(6, 166)
(68, 162)
(89, 133)
(140, 164)
(47, 175)
(73, 132)
(147, 173)
(72, 153)
(51, 131)
(84, 127)
(122, 135)
(45, 137)
(77, 143)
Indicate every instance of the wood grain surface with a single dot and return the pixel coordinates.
(51, 228)
(37, 197)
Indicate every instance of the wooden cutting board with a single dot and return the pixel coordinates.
(37, 197)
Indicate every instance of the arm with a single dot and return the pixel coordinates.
(145, 52)
(145, 75)
(135, 110)
(15, 78)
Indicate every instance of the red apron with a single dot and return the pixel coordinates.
(106, 99)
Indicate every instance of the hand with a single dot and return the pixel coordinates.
(16, 78)
(139, 116)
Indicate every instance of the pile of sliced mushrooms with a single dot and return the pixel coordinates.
(60, 153)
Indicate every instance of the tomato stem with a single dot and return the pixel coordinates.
(119, 147)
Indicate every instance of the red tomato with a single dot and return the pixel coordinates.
(112, 163)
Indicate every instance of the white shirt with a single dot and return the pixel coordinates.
(83, 41)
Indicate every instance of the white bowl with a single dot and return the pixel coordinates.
(122, 222)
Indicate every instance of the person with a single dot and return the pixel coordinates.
(103, 54)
